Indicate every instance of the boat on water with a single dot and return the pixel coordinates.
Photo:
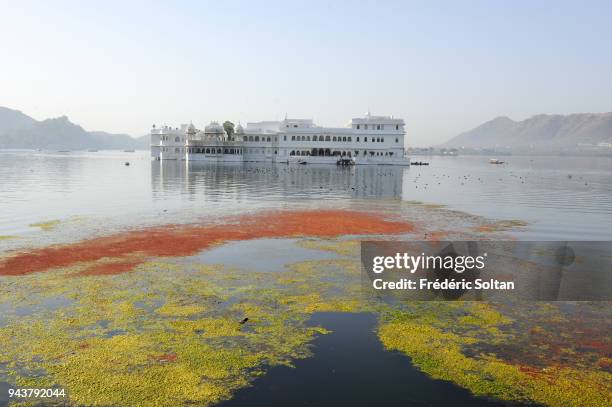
(364, 140)
(496, 161)
(345, 161)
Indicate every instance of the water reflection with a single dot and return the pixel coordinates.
(561, 198)
(251, 181)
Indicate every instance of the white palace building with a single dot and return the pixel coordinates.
(365, 140)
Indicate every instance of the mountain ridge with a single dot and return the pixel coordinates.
(542, 131)
(18, 130)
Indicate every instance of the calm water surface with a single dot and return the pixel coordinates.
(560, 197)
(351, 367)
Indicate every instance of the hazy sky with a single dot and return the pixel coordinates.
(444, 67)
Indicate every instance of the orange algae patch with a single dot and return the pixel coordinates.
(165, 358)
(115, 267)
(185, 240)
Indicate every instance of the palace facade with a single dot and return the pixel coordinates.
(365, 140)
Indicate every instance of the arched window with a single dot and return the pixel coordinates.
(314, 138)
(343, 138)
(350, 139)
(292, 152)
(334, 138)
(327, 138)
(397, 140)
(397, 127)
(365, 139)
(307, 138)
(268, 138)
(292, 138)
(250, 138)
(256, 138)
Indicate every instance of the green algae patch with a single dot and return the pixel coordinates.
(178, 310)
(184, 333)
(46, 226)
(424, 204)
(8, 237)
(441, 353)
(342, 248)
(502, 226)
(167, 334)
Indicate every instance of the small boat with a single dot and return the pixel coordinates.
(495, 161)
(345, 161)
(301, 162)
(419, 163)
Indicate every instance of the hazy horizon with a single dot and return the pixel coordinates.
(445, 67)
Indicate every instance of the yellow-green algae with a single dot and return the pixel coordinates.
(502, 225)
(170, 333)
(8, 237)
(439, 353)
(47, 225)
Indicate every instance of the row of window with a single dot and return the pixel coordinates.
(311, 152)
(176, 150)
(326, 152)
(299, 138)
(213, 150)
(216, 150)
(334, 138)
(256, 138)
(176, 139)
(375, 126)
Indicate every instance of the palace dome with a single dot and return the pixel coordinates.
(215, 128)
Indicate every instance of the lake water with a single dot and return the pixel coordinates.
(561, 198)
(351, 367)
(92, 193)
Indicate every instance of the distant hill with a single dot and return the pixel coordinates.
(18, 130)
(541, 132)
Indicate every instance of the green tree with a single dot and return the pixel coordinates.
(229, 128)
